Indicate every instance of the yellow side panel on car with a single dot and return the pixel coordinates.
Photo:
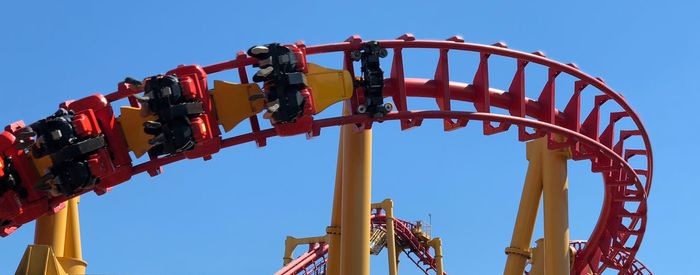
(236, 102)
(328, 86)
(132, 125)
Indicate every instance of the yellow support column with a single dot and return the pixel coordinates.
(537, 266)
(437, 246)
(537, 262)
(556, 212)
(546, 177)
(356, 196)
(391, 237)
(51, 230)
(56, 236)
(519, 250)
(72, 258)
(333, 231)
(39, 259)
(388, 206)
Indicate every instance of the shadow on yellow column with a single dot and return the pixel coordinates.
(57, 247)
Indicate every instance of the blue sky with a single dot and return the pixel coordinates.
(231, 214)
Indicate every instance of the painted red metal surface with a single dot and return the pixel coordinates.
(636, 268)
(11, 207)
(112, 165)
(621, 226)
(206, 127)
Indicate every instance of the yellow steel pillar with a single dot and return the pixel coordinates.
(519, 250)
(51, 230)
(537, 262)
(388, 206)
(546, 177)
(39, 259)
(556, 212)
(356, 196)
(437, 246)
(390, 236)
(56, 236)
(333, 231)
(537, 266)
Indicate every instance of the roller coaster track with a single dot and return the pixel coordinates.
(636, 268)
(314, 260)
(621, 225)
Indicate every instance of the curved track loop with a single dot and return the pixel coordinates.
(636, 268)
(314, 261)
(620, 228)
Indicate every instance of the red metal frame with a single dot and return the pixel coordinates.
(636, 268)
(609, 245)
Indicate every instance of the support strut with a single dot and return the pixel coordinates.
(388, 206)
(333, 231)
(555, 190)
(356, 201)
(57, 248)
(546, 176)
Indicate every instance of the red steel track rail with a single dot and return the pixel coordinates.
(312, 262)
(637, 267)
(621, 225)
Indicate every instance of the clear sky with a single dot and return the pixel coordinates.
(231, 214)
